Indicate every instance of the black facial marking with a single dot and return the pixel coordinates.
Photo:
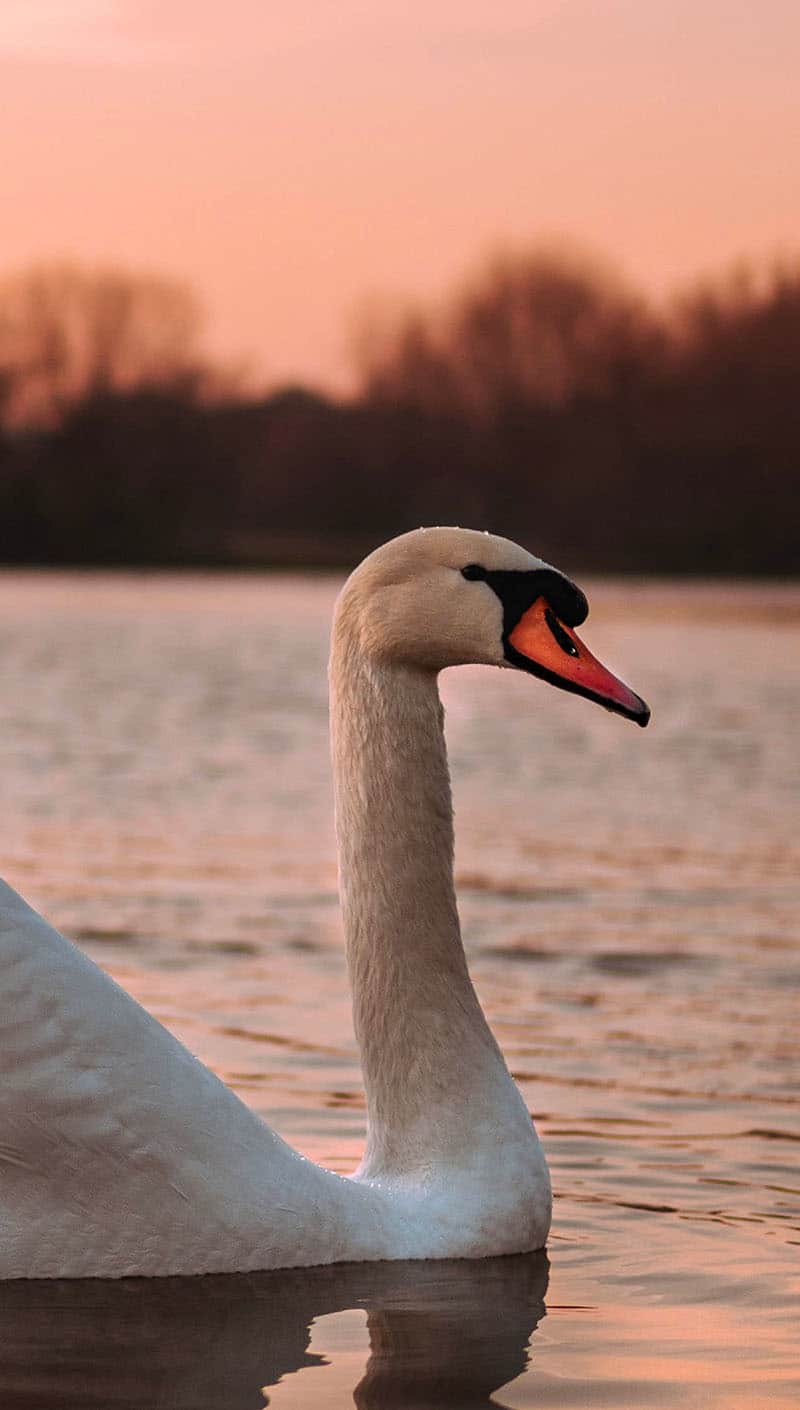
(519, 590)
(565, 642)
(474, 572)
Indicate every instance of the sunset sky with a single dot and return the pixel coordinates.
(293, 161)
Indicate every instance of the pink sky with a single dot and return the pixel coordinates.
(294, 160)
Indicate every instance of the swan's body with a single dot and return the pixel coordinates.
(120, 1153)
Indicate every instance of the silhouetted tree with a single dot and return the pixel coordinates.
(67, 334)
(612, 433)
(536, 330)
(546, 401)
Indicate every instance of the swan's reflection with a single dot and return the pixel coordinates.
(441, 1334)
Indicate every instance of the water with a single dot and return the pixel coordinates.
(629, 901)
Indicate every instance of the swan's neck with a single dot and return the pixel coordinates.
(432, 1069)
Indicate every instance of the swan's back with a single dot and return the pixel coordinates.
(119, 1151)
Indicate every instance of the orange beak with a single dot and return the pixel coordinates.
(542, 644)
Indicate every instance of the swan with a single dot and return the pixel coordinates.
(121, 1154)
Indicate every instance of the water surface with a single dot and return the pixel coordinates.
(629, 902)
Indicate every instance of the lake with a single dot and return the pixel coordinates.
(630, 905)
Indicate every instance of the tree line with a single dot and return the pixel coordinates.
(545, 399)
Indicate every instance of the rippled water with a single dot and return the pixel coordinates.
(630, 906)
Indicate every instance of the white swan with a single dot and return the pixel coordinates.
(121, 1154)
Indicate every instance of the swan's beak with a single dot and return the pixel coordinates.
(542, 644)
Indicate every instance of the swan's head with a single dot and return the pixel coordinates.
(448, 597)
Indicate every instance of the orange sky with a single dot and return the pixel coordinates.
(293, 159)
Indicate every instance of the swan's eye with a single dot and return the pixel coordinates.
(473, 572)
(564, 640)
